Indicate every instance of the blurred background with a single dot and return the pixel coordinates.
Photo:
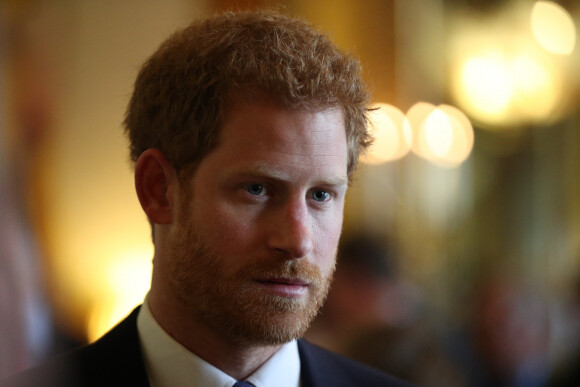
(460, 259)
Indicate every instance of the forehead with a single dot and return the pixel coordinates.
(267, 123)
(265, 135)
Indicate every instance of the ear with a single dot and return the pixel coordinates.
(156, 183)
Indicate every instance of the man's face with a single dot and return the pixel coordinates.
(253, 250)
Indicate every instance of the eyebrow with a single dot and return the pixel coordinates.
(267, 172)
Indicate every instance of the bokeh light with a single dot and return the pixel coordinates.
(553, 28)
(486, 86)
(502, 67)
(392, 137)
(498, 90)
(537, 87)
(438, 133)
(462, 137)
(123, 285)
(416, 116)
(443, 135)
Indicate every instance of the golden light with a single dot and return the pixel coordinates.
(104, 266)
(503, 72)
(122, 285)
(485, 87)
(497, 90)
(416, 116)
(438, 133)
(443, 135)
(537, 87)
(462, 137)
(553, 28)
(392, 137)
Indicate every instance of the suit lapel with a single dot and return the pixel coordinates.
(120, 351)
(314, 370)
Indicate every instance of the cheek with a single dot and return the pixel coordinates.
(231, 231)
(329, 236)
(331, 251)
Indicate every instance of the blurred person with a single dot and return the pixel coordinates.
(245, 130)
(25, 325)
(365, 294)
(28, 332)
(375, 317)
(508, 335)
(414, 352)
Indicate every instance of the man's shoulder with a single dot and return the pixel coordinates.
(113, 360)
(324, 368)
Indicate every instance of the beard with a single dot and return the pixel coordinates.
(233, 304)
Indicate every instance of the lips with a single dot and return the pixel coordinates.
(286, 281)
(284, 287)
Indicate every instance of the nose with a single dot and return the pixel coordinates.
(291, 233)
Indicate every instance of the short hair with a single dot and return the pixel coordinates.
(183, 89)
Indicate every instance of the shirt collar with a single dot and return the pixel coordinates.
(168, 363)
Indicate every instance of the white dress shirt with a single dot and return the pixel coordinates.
(169, 364)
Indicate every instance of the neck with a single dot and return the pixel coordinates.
(235, 359)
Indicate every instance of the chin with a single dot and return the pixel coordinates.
(272, 328)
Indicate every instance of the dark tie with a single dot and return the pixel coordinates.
(243, 384)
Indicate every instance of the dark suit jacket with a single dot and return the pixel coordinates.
(116, 360)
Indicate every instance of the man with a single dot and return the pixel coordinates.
(245, 129)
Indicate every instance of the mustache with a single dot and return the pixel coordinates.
(296, 269)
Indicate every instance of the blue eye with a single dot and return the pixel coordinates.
(255, 189)
(320, 196)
